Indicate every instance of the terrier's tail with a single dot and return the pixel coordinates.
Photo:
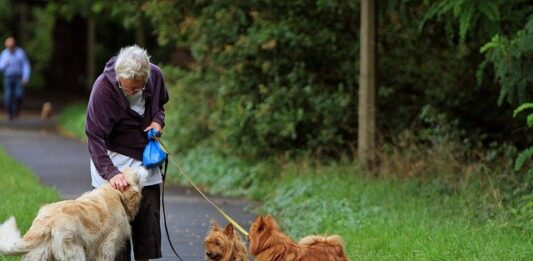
(332, 245)
(333, 240)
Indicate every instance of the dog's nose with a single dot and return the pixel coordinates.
(213, 256)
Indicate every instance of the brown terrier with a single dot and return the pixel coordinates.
(224, 245)
(268, 243)
(46, 111)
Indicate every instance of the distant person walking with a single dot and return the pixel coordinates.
(16, 68)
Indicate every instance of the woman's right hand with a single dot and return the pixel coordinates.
(119, 182)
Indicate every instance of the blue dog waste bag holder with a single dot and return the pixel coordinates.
(153, 154)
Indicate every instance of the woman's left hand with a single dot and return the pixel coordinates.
(154, 125)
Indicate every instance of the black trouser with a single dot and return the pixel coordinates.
(145, 228)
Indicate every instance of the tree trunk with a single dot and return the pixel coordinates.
(69, 56)
(366, 139)
(140, 37)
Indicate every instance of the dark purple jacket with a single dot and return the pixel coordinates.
(112, 125)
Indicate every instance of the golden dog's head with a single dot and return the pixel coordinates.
(133, 177)
(223, 244)
(131, 197)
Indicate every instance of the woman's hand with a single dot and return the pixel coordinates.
(154, 125)
(119, 182)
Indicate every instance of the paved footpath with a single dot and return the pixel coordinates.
(63, 163)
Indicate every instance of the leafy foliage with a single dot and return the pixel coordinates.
(276, 87)
(468, 14)
(522, 108)
(523, 157)
(527, 154)
(285, 84)
(513, 60)
(6, 13)
(128, 13)
(269, 78)
(189, 125)
(39, 47)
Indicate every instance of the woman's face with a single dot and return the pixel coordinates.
(131, 86)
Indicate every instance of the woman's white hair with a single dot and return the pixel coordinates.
(132, 62)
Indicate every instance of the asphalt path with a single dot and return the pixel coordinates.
(63, 163)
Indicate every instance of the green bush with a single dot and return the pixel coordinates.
(6, 15)
(40, 46)
(274, 88)
(513, 59)
(189, 112)
(275, 77)
(72, 121)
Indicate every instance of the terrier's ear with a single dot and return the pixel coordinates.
(214, 225)
(270, 221)
(260, 224)
(229, 230)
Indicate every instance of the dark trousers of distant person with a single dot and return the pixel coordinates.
(12, 95)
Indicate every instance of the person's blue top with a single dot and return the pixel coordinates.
(15, 63)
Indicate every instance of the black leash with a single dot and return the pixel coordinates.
(164, 174)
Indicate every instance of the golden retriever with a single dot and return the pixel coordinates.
(91, 227)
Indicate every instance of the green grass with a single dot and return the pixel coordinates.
(378, 219)
(72, 121)
(391, 219)
(20, 193)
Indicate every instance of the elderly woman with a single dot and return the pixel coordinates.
(126, 101)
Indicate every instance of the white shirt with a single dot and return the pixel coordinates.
(148, 176)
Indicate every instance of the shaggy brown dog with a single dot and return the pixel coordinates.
(268, 243)
(91, 227)
(46, 111)
(224, 245)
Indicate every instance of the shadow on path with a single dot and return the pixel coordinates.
(63, 163)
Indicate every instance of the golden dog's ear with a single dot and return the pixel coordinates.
(131, 199)
(131, 176)
(127, 171)
(229, 231)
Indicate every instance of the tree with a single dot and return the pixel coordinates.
(366, 137)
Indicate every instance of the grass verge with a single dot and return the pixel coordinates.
(21, 194)
(379, 219)
(72, 121)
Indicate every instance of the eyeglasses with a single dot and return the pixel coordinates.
(134, 90)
